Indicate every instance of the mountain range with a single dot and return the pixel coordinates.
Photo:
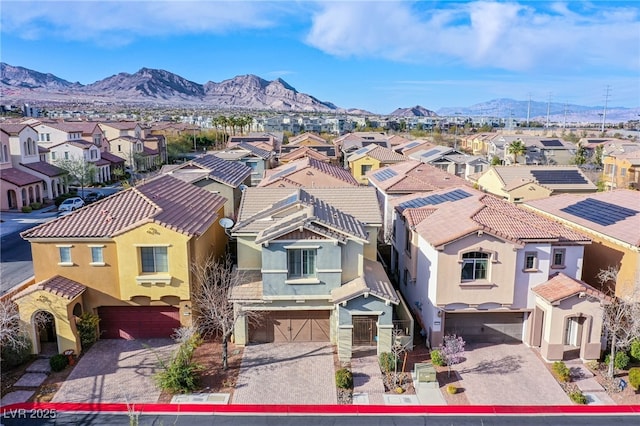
(154, 87)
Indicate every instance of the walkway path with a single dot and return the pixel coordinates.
(34, 375)
(368, 387)
(586, 382)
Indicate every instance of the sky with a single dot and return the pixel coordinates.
(373, 55)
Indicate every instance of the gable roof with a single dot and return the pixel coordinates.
(306, 135)
(165, 200)
(615, 214)
(473, 211)
(289, 169)
(231, 173)
(58, 285)
(413, 176)
(380, 153)
(373, 281)
(561, 286)
(552, 177)
(18, 177)
(361, 203)
(291, 153)
(432, 154)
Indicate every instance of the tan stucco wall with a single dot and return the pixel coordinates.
(490, 182)
(356, 167)
(603, 253)
(501, 272)
(528, 192)
(62, 311)
(371, 249)
(249, 253)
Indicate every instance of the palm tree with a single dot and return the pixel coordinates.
(516, 148)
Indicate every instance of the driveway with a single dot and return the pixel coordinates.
(117, 371)
(508, 374)
(286, 373)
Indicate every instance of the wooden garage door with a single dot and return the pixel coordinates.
(136, 322)
(489, 327)
(292, 326)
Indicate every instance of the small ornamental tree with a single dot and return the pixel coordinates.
(452, 350)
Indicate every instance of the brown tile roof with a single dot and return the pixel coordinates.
(562, 286)
(373, 281)
(414, 176)
(304, 151)
(18, 177)
(307, 136)
(250, 287)
(165, 200)
(380, 153)
(120, 125)
(290, 169)
(111, 157)
(45, 168)
(12, 128)
(595, 213)
(475, 212)
(58, 285)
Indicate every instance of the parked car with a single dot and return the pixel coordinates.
(71, 204)
(93, 196)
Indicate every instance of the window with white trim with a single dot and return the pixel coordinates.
(531, 261)
(301, 263)
(154, 259)
(558, 258)
(97, 255)
(65, 254)
(475, 266)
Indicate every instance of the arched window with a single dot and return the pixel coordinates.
(475, 266)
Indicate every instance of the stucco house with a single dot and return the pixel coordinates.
(469, 264)
(126, 258)
(308, 172)
(611, 219)
(257, 159)
(308, 261)
(371, 158)
(226, 178)
(519, 183)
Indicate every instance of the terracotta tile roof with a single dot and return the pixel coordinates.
(18, 177)
(304, 136)
(58, 285)
(373, 281)
(164, 200)
(415, 216)
(562, 286)
(303, 151)
(414, 176)
(290, 169)
(380, 153)
(250, 287)
(45, 168)
(12, 128)
(509, 174)
(396, 140)
(360, 202)
(479, 212)
(120, 125)
(594, 213)
(411, 146)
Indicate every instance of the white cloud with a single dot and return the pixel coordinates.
(121, 22)
(501, 35)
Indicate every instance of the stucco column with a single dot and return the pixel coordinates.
(345, 342)
(240, 329)
(385, 338)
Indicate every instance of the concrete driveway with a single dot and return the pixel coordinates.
(508, 374)
(117, 371)
(286, 373)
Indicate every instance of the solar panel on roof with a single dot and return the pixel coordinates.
(284, 172)
(430, 153)
(361, 150)
(455, 195)
(412, 144)
(385, 174)
(599, 212)
(551, 142)
(558, 177)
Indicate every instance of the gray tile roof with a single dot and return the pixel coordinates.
(164, 200)
(231, 173)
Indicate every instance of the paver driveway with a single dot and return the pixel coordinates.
(286, 373)
(503, 374)
(117, 371)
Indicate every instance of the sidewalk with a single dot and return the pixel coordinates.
(368, 388)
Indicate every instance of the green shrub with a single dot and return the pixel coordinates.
(620, 362)
(635, 349)
(27, 209)
(58, 362)
(437, 358)
(578, 397)
(12, 357)
(344, 379)
(35, 206)
(180, 375)
(88, 329)
(634, 378)
(561, 371)
(387, 362)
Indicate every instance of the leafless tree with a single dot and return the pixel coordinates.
(621, 316)
(12, 334)
(214, 313)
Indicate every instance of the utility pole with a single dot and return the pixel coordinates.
(604, 113)
(528, 110)
(564, 123)
(548, 110)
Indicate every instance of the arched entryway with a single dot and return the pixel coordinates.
(12, 199)
(46, 337)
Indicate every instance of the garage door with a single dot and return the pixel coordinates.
(292, 326)
(489, 327)
(136, 322)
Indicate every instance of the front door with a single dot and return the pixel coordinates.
(365, 330)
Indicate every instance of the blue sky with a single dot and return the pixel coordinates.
(375, 55)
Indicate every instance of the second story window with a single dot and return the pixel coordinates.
(154, 259)
(301, 263)
(66, 155)
(365, 168)
(530, 261)
(475, 266)
(407, 241)
(97, 256)
(558, 258)
(65, 255)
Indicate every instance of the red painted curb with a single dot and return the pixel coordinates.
(330, 409)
